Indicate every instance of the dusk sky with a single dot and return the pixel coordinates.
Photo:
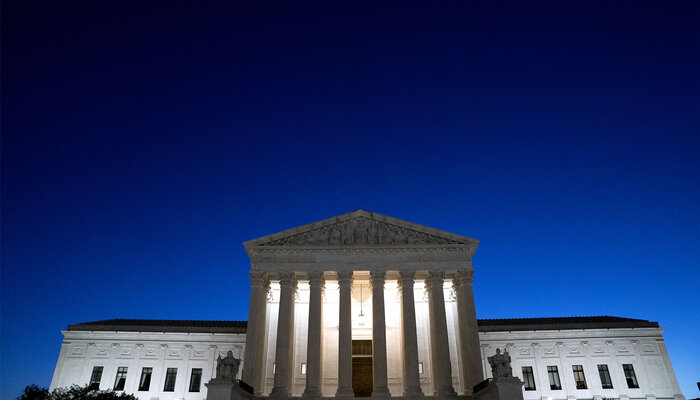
(143, 142)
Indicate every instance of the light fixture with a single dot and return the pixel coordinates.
(362, 315)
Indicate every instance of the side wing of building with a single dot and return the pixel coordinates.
(153, 359)
(557, 358)
(583, 357)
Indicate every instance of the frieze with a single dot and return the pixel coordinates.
(360, 231)
(326, 255)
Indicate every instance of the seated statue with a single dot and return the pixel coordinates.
(500, 364)
(227, 367)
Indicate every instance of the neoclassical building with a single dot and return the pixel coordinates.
(367, 305)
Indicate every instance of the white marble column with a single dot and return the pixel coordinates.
(313, 352)
(255, 333)
(411, 376)
(468, 330)
(379, 363)
(285, 330)
(345, 335)
(440, 343)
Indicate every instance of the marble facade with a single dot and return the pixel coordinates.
(397, 262)
(319, 290)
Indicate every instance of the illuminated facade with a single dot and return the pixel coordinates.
(363, 304)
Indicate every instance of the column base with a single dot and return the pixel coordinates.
(380, 393)
(447, 392)
(344, 393)
(311, 394)
(414, 395)
(279, 394)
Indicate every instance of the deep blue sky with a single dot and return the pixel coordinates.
(142, 142)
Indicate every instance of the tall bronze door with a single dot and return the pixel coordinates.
(362, 368)
(362, 376)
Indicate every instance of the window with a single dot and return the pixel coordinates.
(553, 373)
(195, 379)
(145, 382)
(420, 367)
(604, 376)
(529, 378)
(170, 377)
(303, 368)
(95, 378)
(120, 380)
(630, 376)
(579, 377)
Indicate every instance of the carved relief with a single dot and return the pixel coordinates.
(199, 353)
(360, 231)
(150, 352)
(648, 348)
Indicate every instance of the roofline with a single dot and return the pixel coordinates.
(484, 325)
(360, 213)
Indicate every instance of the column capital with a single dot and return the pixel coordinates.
(287, 278)
(463, 277)
(345, 278)
(316, 278)
(406, 279)
(434, 279)
(377, 277)
(258, 278)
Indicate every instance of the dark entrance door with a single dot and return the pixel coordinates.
(362, 368)
(362, 376)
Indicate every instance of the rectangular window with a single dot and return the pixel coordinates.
(630, 376)
(303, 368)
(579, 377)
(170, 376)
(195, 379)
(145, 382)
(95, 378)
(420, 367)
(605, 380)
(529, 378)
(120, 380)
(554, 382)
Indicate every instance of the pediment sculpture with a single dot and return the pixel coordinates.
(360, 231)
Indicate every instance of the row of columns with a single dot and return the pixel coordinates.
(442, 370)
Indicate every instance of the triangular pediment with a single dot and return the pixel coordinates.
(360, 228)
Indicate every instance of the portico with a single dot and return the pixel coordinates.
(365, 277)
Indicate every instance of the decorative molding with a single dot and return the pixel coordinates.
(258, 278)
(359, 231)
(463, 277)
(345, 278)
(310, 257)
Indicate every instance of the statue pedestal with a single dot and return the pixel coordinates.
(225, 389)
(509, 388)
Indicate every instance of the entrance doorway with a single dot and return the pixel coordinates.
(362, 368)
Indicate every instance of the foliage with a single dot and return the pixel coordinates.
(34, 392)
(75, 392)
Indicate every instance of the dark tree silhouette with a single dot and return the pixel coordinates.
(34, 392)
(75, 392)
